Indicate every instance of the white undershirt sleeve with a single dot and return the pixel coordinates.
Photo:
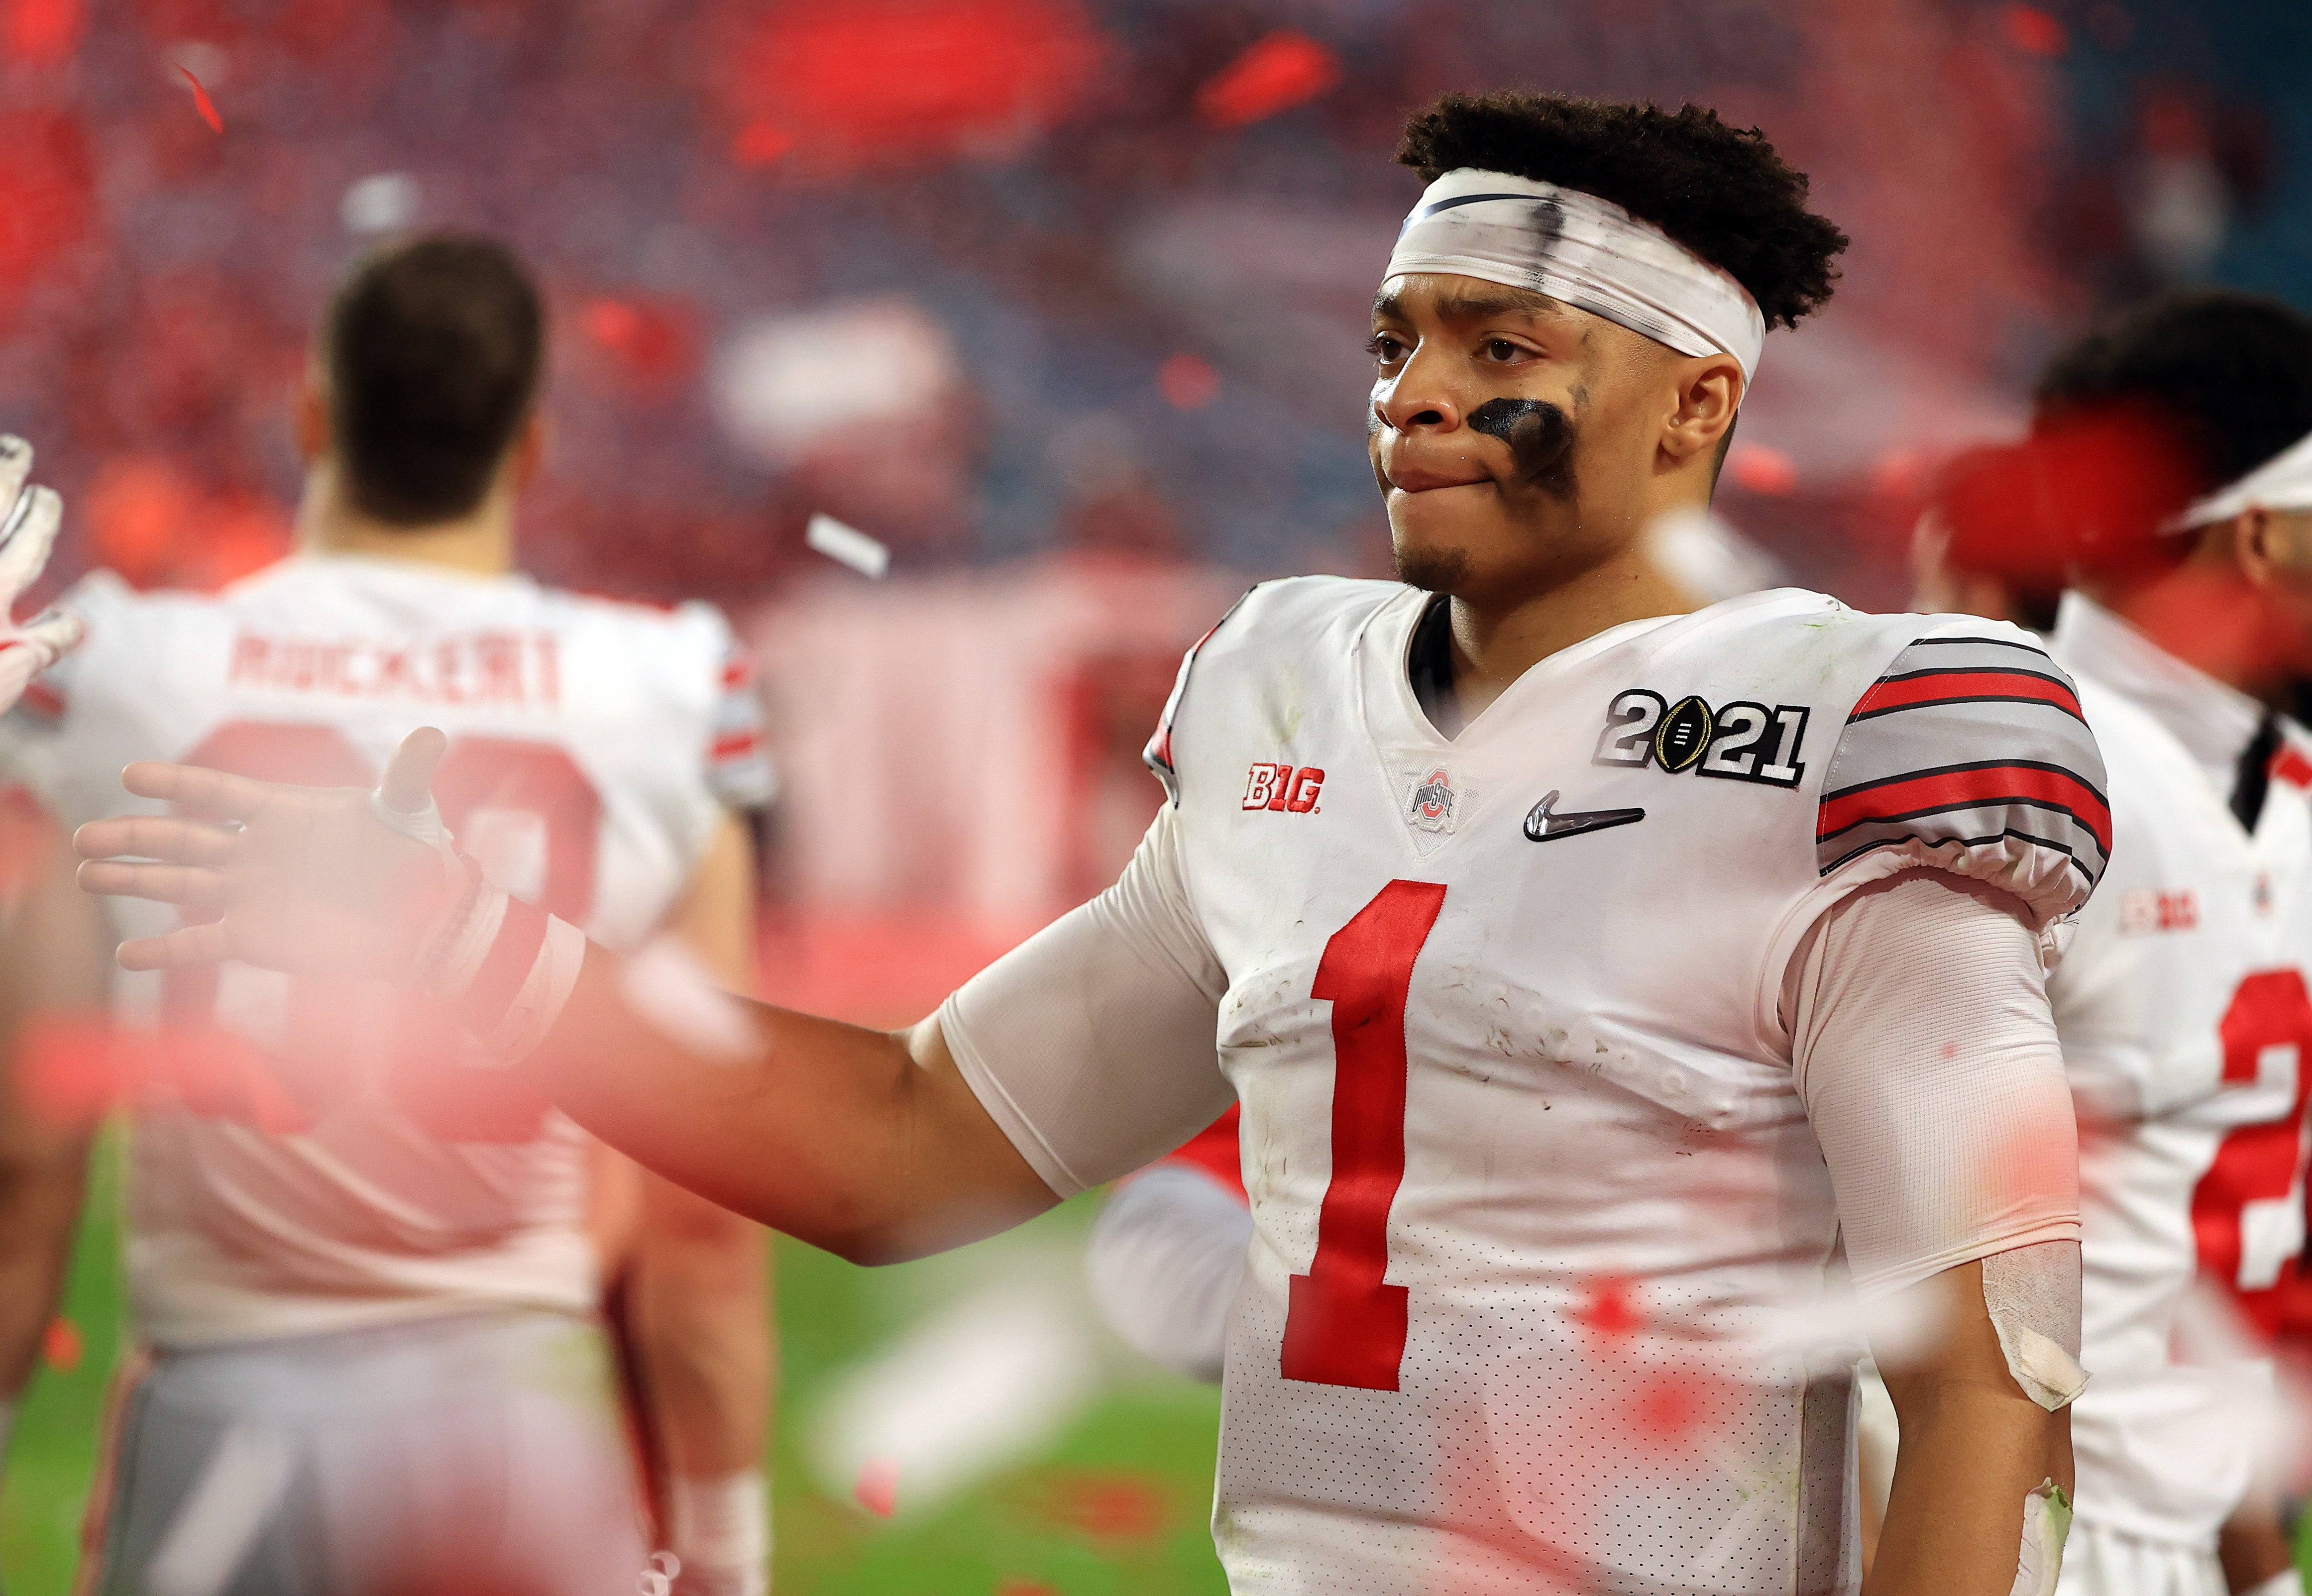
(1094, 1044)
(1925, 1054)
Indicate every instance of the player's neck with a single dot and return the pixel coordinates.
(2218, 626)
(1497, 640)
(479, 543)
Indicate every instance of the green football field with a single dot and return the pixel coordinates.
(1115, 1503)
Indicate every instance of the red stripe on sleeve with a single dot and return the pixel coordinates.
(499, 981)
(736, 746)
(1968, 790)
(1945, 685)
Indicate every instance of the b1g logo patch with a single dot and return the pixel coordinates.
(1281, 787)
(1740, 741)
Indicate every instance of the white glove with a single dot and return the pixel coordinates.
(29, 517)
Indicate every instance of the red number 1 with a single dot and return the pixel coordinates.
(1344, 1325)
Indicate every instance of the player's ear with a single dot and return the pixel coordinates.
(1708, 395)
(311, 405)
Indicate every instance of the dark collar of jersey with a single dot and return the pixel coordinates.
(2254, 777)
(1429, 665)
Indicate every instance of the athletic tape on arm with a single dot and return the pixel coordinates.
(1583, 252)
(2047, 1525)
(2032, 1294)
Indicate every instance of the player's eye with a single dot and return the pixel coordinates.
(1502, 349)
(1385, 347)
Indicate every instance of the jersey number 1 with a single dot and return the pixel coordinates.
(1346, 1324)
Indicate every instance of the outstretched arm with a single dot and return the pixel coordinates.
(872, 1145)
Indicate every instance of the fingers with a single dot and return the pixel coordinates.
(55, 634)
(410, 776)
(168, 838)
(15, 471)
(26, 538)
(194, 888)
(191, 944)
(209, 792)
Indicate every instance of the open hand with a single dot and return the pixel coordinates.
(29, 520)
(320, 881)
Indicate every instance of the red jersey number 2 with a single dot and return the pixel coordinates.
(479, 775)
(2257, 1164)
(1345, 1325)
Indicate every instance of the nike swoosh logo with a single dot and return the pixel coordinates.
(1542, 826)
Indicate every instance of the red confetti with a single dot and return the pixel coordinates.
(1121, 1506)
(1279, 71)
(203, 103)
(1764, 470)
(61, 1346)
(1187, 383)
(2033, 32)
(878, 1490)
(1610, 1311)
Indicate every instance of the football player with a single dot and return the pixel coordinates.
(1595, 980)
(362, 1270)
(2181, 1003)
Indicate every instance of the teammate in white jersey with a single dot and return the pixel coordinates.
(2182, 1002)
(1595, 980)
(362, 1270)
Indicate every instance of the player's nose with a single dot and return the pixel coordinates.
(1418, 400)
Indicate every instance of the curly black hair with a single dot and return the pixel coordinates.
(2232, 371)
(1724, 193)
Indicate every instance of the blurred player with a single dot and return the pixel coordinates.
(362, 1268)
(1591, 977)
(2182, 1001)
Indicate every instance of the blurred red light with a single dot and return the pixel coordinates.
(651, 340)
(46, 189)
(1280, 71)
(760, 143)
(1187, 382)
(2033, 32)
(1763, 470)
(41, 32)
(873, 81)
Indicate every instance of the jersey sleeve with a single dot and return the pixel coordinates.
(738, 767)
(1970, 755)
(1094, 1044)
(1925, 1053)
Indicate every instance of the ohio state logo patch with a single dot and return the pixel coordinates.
(1431, 808)
(1281, 787)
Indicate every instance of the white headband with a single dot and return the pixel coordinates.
(2283, 482)
(1585, 252)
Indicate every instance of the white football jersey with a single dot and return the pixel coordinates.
(311, 1156)
(1539, 1214)
(2187, 1027)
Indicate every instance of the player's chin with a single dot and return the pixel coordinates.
(1434, 548)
